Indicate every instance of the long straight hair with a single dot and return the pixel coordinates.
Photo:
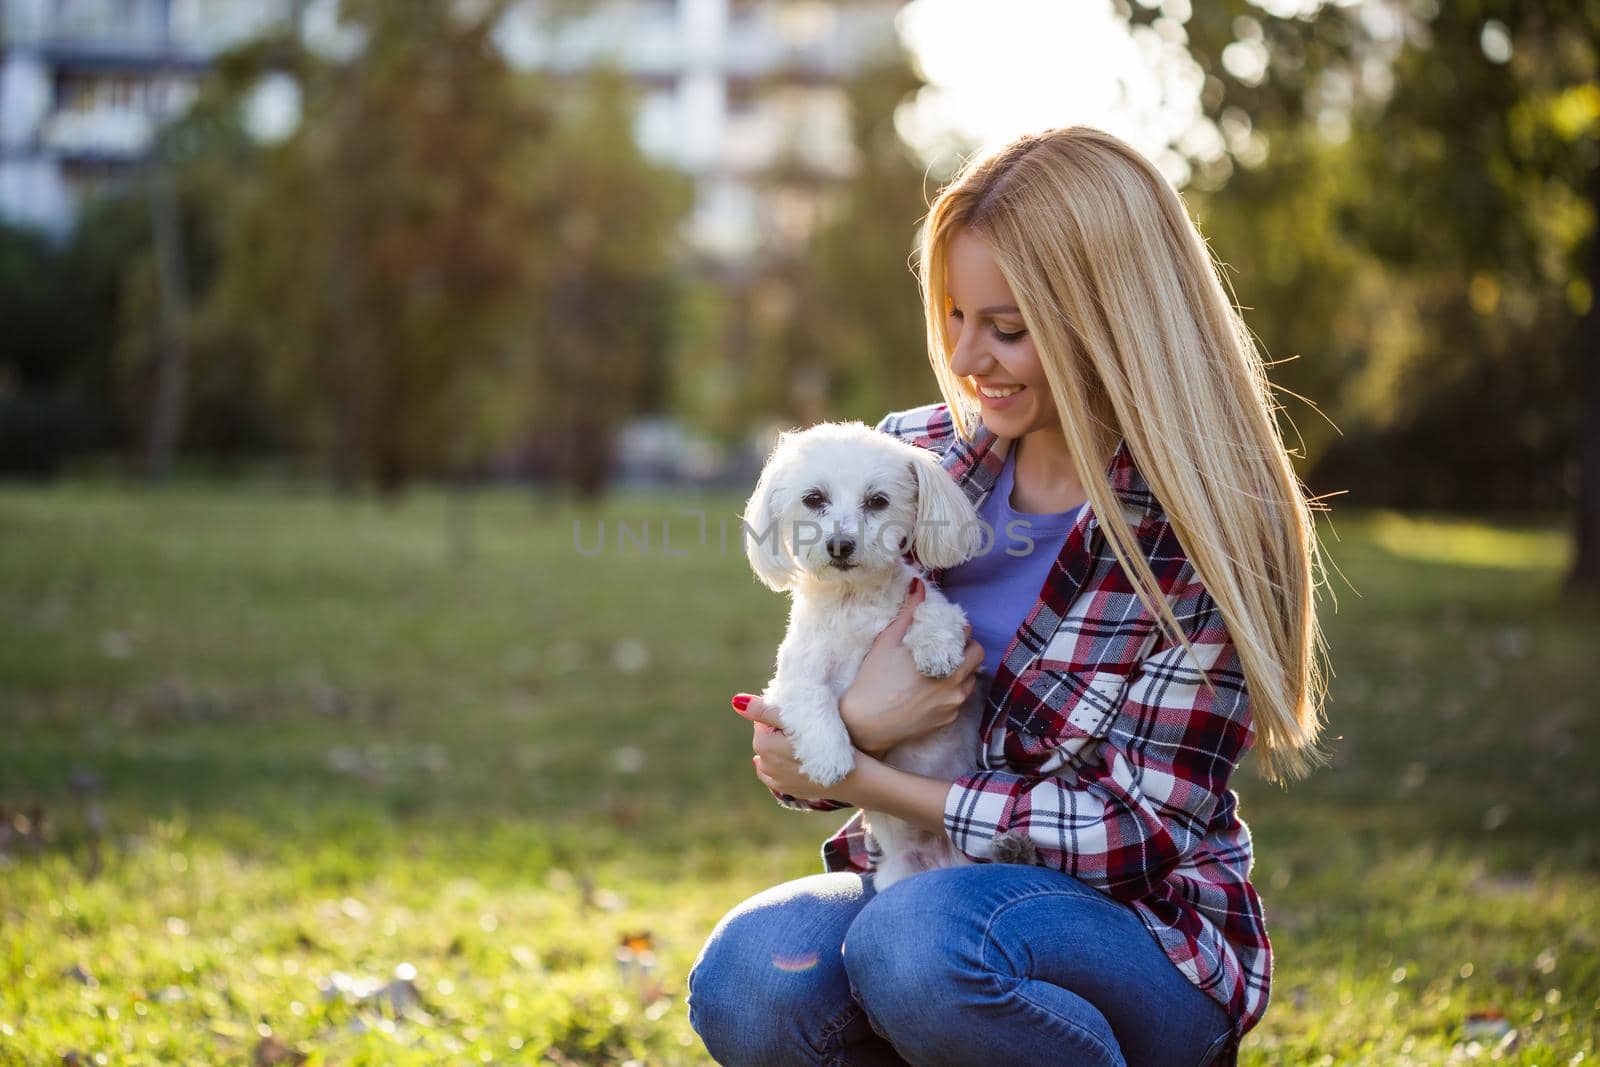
(1140, 343)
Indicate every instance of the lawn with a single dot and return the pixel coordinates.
(285, 775)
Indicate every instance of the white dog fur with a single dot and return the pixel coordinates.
(830, 520)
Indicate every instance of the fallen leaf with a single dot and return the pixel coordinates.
(1485, 1025)
(271, 1051)
(80, 974)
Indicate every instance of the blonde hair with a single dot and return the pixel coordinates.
(1140, 343)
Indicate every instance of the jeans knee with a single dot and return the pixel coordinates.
(718, 1011)
(896, 951)
(740, 1018)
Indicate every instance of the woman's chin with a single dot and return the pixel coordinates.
(1009, 423)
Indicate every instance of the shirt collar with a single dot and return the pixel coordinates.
(976, 464)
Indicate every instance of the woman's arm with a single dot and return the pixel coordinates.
(871, 783)
(888, 702)
(1123, 820)
(916, 798)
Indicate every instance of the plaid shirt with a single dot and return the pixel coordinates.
(1101, 743)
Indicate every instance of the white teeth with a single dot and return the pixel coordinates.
(996, 394)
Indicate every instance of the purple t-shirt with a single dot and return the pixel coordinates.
(999, 587)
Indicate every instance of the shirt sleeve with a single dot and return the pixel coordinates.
(1136, 801)
(796, 804)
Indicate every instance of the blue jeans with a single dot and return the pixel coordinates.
(998, 963)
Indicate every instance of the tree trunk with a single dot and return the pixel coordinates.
(172, 359)
(1585, 576)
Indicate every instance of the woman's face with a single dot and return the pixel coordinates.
(991, 350)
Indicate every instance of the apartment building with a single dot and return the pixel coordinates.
(744, 95)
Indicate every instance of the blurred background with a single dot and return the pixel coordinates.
(393, 241)
(381, 382)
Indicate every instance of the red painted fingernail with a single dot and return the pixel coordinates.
(740, 702)
(916, 583)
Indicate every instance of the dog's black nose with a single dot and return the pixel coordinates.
(841, 547)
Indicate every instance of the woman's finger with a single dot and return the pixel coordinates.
(756, 710)
(761, 773)
(770, 741)
(764, 731)
(895, 632)
(971, 658)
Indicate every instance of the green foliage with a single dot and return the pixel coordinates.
(1305, 286)
(835, 329)
(45, 412)
(372, 262)
(80, 316)
(866, 307)
(257, 739)
(1409, 217)
(600, 324)
(440, 258)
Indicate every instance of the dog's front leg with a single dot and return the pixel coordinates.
(935, 637)
(810, 716)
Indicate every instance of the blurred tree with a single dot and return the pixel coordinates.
(1467, 140)
(447, 256)
(172, 364)
(373, 260)
(46, 405)
(181, 190)
(601, 327)
(864, 307)
(843, 314)
(77, 359)
(1306, 288)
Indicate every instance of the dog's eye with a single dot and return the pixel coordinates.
(877, 502)
(814, 500)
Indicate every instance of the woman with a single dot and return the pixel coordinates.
(1166, 624)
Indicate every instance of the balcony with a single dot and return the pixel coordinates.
(97, 35)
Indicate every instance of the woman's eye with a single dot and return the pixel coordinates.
(814, 500)
(1009, 338)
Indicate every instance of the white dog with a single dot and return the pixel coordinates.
(830, 520)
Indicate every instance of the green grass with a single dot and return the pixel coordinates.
(319, 741)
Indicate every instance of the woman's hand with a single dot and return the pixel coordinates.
(870, 783)
(890, 701)
(774, 758)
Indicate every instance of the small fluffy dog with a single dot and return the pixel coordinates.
(830, 520)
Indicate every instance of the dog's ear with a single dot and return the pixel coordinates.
(947, 524)
(763, 538)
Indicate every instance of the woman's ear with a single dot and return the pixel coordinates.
(947, 530)
(763, 538)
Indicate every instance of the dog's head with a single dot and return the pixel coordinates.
(841, 501)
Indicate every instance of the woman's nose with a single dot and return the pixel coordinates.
(967, 358)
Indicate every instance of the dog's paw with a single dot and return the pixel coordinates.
(937, 659)
(1013, 847)
(829, 769)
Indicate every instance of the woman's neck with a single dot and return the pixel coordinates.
(1044, 481)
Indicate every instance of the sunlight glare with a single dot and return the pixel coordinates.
(1009, 67)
